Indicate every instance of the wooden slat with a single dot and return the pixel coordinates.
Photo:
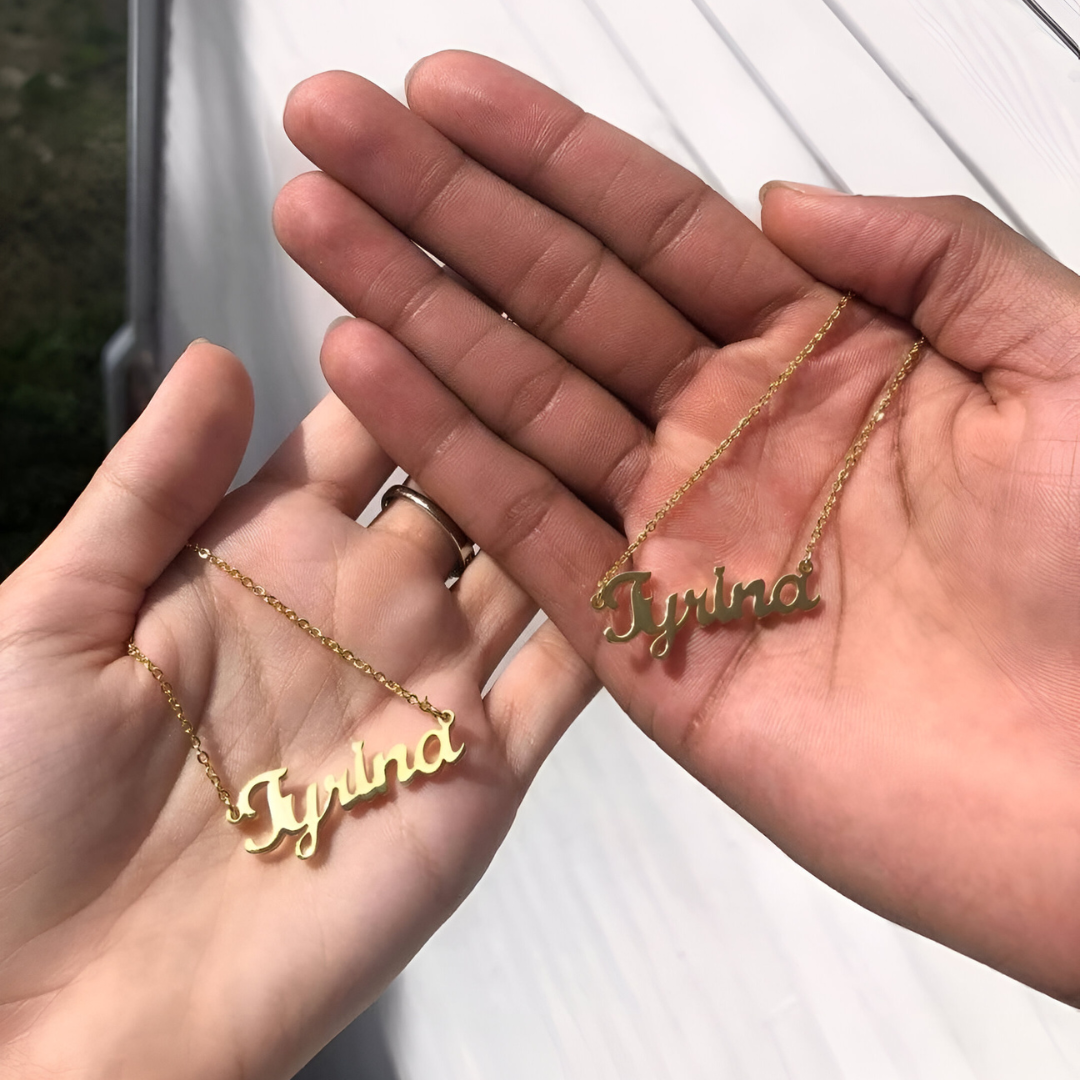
(1004, 91)
(869, 131)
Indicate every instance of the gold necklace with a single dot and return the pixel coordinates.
(642, 618)
(360, 787)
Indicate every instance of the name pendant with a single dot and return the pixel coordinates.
(349, 790)
(707, 607)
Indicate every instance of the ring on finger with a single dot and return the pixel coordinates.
(464, 549)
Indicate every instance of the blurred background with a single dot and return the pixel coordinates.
(62, 209)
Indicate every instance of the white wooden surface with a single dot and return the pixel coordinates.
(635, 927)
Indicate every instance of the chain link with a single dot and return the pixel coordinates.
(347, 655)
(851, 458)
(196, 743)
(669, 503)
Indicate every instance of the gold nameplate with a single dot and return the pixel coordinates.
(349, 788)
(707, 608)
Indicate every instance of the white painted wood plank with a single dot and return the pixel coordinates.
(863, 125)
(1005, 91)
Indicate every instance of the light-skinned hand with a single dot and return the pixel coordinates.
(137, 937)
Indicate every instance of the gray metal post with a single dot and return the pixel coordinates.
(130, 360)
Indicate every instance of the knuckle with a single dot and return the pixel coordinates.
(524, 518)
(673, 222)
(551, 149)
(437, 187)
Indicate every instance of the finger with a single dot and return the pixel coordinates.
(157, 486)
(497, 609)
(679, 235)
(331, 455)
(519, 387)
(986, 297)
(530, 724)
(545, 537)
(553, 277)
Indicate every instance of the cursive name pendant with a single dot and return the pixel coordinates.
(433, 749)
(350, 790)
(791, 592)
(705, 611)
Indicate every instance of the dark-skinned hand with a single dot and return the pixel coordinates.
(915, 740)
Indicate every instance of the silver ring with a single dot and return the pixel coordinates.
(464, 548)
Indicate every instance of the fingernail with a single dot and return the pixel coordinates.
(801, 189)
(335, 323)
(199, 341)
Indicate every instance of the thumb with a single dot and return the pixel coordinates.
(159, 483)
(981, 294)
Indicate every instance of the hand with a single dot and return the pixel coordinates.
(914, 740)
(137, 936)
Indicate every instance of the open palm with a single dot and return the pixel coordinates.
(913, 740)
(138, 937)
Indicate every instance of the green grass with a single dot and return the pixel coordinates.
(62, 179)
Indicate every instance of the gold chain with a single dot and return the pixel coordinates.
(669, 503)
(196, 743)
(422, 704)
(851, 458)
(806, 565)
(347, 655)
